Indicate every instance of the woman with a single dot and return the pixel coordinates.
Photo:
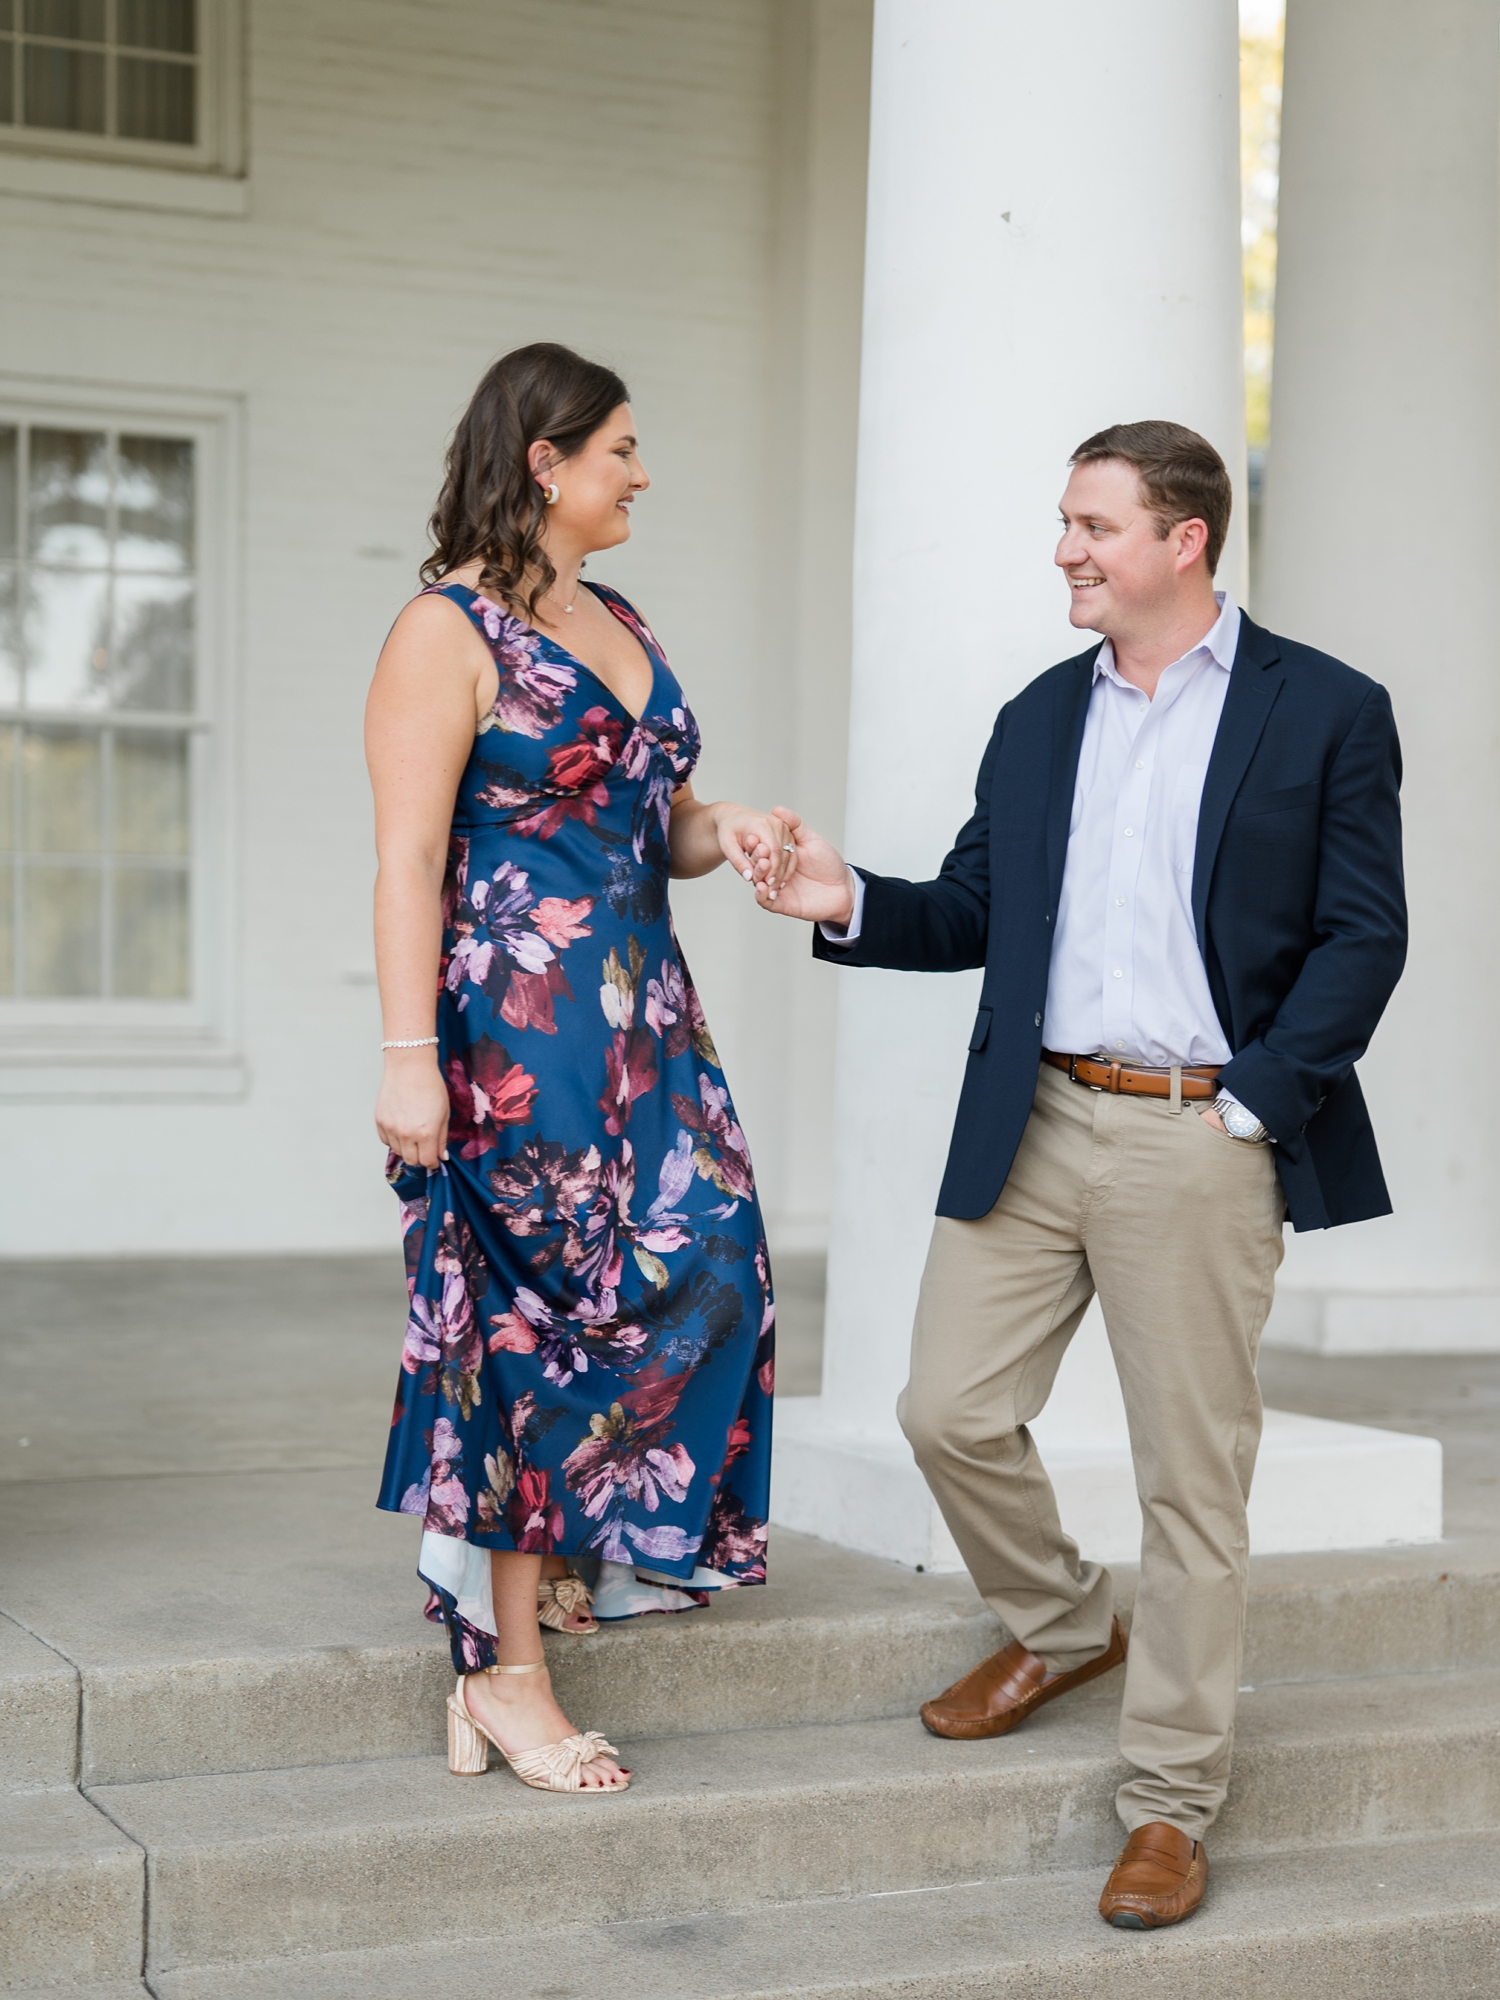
(588, 1359)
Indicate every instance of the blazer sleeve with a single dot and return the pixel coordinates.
(938, 926)
(1324, 1024)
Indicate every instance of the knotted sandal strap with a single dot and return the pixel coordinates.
(559, 1598)
(559, 1767)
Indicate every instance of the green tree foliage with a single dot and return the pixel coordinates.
(1260, 147)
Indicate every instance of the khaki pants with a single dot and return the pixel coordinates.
(1178, 1229)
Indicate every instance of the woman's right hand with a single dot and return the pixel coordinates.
(411, 1112)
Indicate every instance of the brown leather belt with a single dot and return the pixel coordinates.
(1132, 1079)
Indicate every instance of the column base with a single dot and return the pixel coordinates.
(1318, 1485)
(1319, 1322)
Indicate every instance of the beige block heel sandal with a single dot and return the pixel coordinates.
(559, 1598)
(556, 1767)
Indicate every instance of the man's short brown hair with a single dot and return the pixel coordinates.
(1182, 477)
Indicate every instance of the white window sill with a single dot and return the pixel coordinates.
(122, 184)
(120, 1067)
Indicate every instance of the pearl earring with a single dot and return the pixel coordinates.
(553, 496)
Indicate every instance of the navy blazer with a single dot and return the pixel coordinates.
(1297, 896)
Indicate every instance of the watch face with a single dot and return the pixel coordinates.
(1240, 1122)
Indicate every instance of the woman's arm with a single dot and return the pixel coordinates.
(702, 835)
(419, 729)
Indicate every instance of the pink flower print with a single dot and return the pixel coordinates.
(560, 921)
(423, 1343)
(486, 1091)
(490, 615)
(625, 1455)
(629, 1072)
(666, 1008)
(536, 1519)
(515, 1332)
(735, 1542)
(448, 1497)
(529, 997)
(721, 1155)
(529, 698)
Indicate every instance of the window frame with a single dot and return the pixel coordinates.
(218, 150)
(58, 1047)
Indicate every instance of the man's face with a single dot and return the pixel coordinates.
(1123, 575)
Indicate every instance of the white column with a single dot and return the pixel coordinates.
(1052, 246)
(1379, 547)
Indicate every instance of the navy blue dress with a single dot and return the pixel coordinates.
(589, 1355)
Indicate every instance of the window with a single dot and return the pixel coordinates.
(132, 85)
(100, 712)
(123, 69)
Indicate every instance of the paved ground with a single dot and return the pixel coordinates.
(135, 1368)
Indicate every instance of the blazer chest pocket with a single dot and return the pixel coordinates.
(1295, 798)
(981, 1032)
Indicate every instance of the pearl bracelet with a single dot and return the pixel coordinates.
(425, 1042)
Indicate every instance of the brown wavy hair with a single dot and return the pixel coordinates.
(491, 505)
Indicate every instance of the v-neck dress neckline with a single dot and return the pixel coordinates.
(616, 611)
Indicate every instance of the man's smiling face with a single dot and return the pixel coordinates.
(1121, 571)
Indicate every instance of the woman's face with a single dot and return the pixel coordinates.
(594, 487)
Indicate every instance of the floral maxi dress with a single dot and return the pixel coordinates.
(589, 1354)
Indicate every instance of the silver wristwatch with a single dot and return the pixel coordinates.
(1238, 1122)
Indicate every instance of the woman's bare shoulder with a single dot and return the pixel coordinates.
(431, 623)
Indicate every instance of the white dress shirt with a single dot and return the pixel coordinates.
(1127, 979)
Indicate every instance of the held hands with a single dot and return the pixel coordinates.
(411, 1112)
(816, 887)
(758, 846)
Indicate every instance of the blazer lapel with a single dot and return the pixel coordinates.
(1069, 715)
(1254, 685)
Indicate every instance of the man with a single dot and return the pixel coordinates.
(1183, 879)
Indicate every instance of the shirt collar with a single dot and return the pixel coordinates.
(1220, 642)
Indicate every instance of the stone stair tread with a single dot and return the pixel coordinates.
(249, 1865)
(72, 1892)
(107, 1989)
(38, 1711)
(230, 1646)
(181, 1813)
(1419, 1920)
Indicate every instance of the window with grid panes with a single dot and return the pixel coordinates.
(98, 676)
(122, 70)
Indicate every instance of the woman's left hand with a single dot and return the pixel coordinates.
(758, 845)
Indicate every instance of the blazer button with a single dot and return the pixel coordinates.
(1038, 1020)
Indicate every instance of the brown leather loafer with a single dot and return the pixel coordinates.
(1157, 1880)
(1007, 1687)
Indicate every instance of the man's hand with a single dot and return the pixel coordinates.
(818, 890)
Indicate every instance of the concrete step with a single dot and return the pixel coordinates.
(267, 1864)
(39, 1704)
(72, 1894)
(1381, 1920)
(263, 1622)
(108, 1989)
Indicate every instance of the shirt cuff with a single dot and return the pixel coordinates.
(849, 933)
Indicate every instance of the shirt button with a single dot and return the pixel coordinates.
(1119, 902)
(1119, 1045)
(1129, 831)
(1118, 973)
(1140, 767)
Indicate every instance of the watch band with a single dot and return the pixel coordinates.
(1232, 1112)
